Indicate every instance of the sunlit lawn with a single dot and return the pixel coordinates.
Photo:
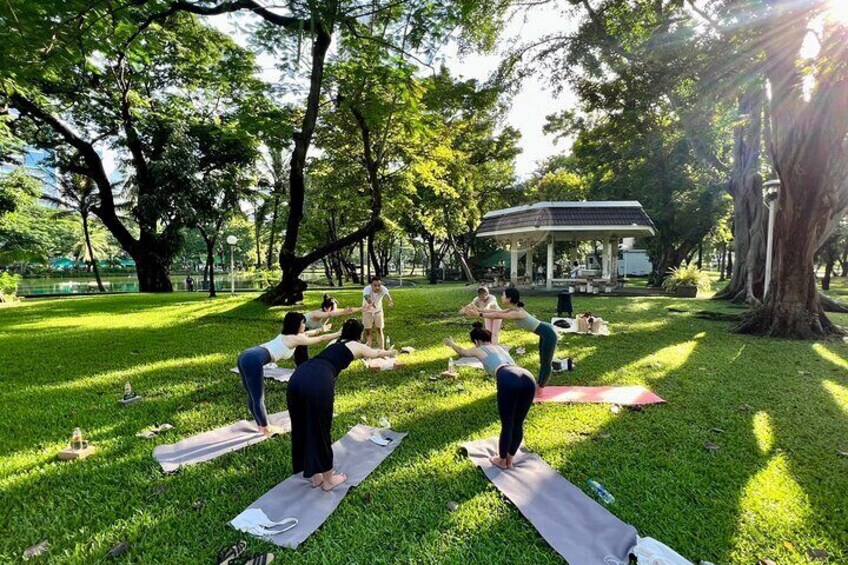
(774, 489)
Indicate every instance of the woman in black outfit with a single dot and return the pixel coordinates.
(310, 395)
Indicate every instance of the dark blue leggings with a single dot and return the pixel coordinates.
(547, 347)
(251, 366)
(516, 389)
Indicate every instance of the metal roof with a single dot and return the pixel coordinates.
(589, 219)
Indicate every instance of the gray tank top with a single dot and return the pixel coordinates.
(496, 356)
(312, 324)
(529, 323)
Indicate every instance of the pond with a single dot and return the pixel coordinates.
(82, 283)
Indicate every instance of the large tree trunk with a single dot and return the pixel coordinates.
(210, 266)
(749, 214)
(469, 276)
(828, 272)
(328, 272)
(434, 260)
(808, 151)
(152, 271)
(91, 256)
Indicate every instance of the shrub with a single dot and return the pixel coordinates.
(8, 287)
(686, 276)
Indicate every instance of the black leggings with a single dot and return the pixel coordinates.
(251, 366)
(547, 347)
(516, 389)
(310, 397)
(301, 355)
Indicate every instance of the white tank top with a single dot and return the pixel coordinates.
(278, 349)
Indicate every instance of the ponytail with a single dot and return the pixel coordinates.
(479, 334)
(514, 296)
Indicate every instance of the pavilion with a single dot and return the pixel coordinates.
(526, 227)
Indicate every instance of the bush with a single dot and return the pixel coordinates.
(8, 287)
(690, 276)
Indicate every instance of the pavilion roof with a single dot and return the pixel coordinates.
(575, 220)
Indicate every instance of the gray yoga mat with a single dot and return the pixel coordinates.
(578, 528)
(215, 443)
(272, 371)
(355, 455)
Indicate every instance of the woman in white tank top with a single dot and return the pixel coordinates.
(251, 363)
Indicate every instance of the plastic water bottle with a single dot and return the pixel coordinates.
(76, 439)
(388, 342)
(601, 492)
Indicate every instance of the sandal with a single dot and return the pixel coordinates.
(255, 559)
(227, 554)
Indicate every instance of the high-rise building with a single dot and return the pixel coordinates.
(36, 163)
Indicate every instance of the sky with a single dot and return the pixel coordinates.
(534, 101)
(529, 106)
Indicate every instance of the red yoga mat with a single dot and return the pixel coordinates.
(624, 395)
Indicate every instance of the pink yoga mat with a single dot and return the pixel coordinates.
(624, 395)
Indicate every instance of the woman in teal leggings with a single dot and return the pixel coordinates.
(514, 310)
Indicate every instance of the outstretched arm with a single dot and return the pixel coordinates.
(362, 351)
(305, 339)
(325, 328)
(473, 352)
(473, 312)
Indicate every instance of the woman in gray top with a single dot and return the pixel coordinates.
(516, 390)
(514, 310)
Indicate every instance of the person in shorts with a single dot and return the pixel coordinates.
(372, 310)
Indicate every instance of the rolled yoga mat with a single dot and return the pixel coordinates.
(578, 528)
(215, 443)
(272, 371)
(355, 455)
(624, 395)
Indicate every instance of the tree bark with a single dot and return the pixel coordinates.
(91, 256)
(749, 215)
(210, 266)
(828, 272)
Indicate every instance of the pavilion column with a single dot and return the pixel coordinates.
(513, 263)
(605, 259)
(549, 272)
(529, 267)
(614, 260)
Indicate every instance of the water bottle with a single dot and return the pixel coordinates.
(388, 342)
(76, 439)
(601, 492)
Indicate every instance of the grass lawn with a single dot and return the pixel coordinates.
(774, 489)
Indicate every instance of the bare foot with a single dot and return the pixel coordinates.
(317, 480)
(334, 480)
(271, 430)
(509, 461)
(497, 461)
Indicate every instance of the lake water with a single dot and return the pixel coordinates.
(77, 284)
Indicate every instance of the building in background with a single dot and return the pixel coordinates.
(36, 163)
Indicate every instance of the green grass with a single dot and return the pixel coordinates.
(775, 488)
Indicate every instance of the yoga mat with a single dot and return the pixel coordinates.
(215, 443)
(578, 528)
(468, 362)
(624, 395)
(354, 455)
(272, 371)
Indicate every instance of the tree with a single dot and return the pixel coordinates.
(424, 23)
(78, 195)
(810, 155)
(86, 79)
(834, 249)
(212, 164)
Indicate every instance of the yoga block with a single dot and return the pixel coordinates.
(68, 453)
(582, 325)
(129, 401)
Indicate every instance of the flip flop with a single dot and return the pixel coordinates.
(255, 559)
(234, 551)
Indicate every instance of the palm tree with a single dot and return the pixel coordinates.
(78, 195)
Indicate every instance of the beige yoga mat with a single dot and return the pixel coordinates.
(272, 371)
(215, 443)
(355, 455)
(578, 528)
